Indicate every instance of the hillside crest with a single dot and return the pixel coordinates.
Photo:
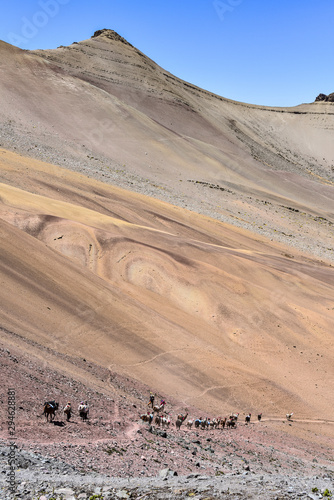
(111, 35)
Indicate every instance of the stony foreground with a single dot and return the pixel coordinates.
(45, 478)
(116, 455)
(40, 477)
(168, 486)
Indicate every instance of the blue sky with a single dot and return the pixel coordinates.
(275, 53)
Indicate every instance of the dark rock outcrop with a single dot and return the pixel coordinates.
(112, 35)
(324, 97)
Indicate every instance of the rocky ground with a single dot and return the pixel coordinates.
(116, 455)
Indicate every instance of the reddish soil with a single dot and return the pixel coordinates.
(114, 441)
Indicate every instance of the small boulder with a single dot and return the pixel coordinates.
(166, 473)
(122, 494)
(65, 493)
(193, 475)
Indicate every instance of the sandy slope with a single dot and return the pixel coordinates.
(200, 310)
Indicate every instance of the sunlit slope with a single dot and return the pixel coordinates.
(103, 96)
(288, 139)
(192, 307)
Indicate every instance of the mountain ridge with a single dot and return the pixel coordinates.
(107, 33)
(103, 99)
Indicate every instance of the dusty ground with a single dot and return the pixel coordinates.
(114, 442)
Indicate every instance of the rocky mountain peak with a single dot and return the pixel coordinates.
(111, 35)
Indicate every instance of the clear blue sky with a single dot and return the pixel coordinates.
(269, 52)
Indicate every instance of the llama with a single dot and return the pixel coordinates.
(211, 423)
(165, 421)
(179, 421)
(147, 417)
(158, 409)
(158, 420)
(190, 424)
(197, 422)
(204, 423)
(231, 423)
(218, 422)
(50, 408)
(215, 423)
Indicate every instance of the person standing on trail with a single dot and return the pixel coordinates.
(151, 402)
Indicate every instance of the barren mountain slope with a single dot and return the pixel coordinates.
(109, 62)
(192, 307)
(102, 105)
(198, 310)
